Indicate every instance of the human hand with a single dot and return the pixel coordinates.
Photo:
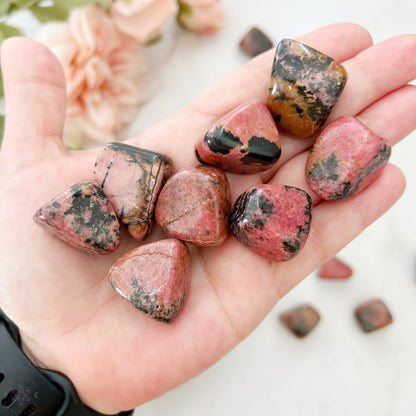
(70, 318)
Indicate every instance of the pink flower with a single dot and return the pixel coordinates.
(102, 67)
(201, 16)
(142, 19)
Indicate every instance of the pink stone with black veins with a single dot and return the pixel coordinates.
(301, 320)
(194, 206)
(373, 314)
(154, 278)
(132, 179)
(345, 158)
(245, 140)
(272, 220)
(83, 217)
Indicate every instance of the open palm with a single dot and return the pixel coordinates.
(71, 319)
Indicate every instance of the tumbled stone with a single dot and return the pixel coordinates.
(154, 278)
(132, 178)
(243, 141)
(345, 158)
(301, 320)
(272, 220)
(194, 206)
(255, 42)
(83, 217)
(373, 314)
(304, 86)
(335, 268)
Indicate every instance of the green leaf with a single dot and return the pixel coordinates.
(7, 31)
(4, 6)
(185, 11)
(71, 4)
(49, 13)
(68, 5)
(24, 4)
(184, 8)
(1, 128)
(105, 4)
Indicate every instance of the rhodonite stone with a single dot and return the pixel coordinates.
(301, 320)
(373, 314)
(335, 268)
(272, 220)
(132, 178)
(243, 141)
(255, 42)
(345, 158)
(154, 278)
(304, 86)
(194, 206)
(83, 217)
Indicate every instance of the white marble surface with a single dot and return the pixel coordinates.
(337, 370)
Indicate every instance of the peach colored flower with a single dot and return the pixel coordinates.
(103, 71)
(142, 19)
(201, 16)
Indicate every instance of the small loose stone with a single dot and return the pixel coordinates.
(345, 158)
(154, 278)
(272, 220)
(194, 206)
(301, 320)
(255, 42)
(132, 179)
(335, 268)
(83, 217)
(245, 140)
(373, 314)
(304, 86)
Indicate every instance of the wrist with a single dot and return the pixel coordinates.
(27, 389)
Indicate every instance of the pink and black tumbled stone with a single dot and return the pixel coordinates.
(132, 179)
(83, 217)
(245, 140)
(301, 320)
(255, 42)
(345, 158)
(373, 314)
(154, 278)
(272, 220)
(194, 206)
(304, 86)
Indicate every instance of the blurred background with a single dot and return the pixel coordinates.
(337, 369)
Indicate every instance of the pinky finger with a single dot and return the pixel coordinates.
(397, 110)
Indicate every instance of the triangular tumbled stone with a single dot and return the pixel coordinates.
(243, 141)
(83, 217)
(335, 268)
(154, 278)
(304, 86)
(132, 178)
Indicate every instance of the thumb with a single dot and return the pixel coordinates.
(35, 98)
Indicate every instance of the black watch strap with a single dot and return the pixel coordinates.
(26, 390)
